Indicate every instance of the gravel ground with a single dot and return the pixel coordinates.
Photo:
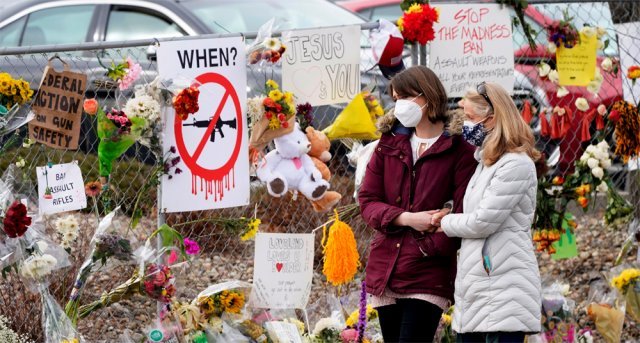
(597, 245)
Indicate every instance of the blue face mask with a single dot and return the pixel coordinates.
(474, 133)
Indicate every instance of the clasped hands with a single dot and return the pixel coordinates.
(425, 221)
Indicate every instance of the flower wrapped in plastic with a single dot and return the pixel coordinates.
(558, 323)
(106, 244)
(117, 133)
(266, 48)
(13, 94)
(626, 280)
(146, 104)
(58, 328)
(606, 311)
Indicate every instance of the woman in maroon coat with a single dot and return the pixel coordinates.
(416, 168)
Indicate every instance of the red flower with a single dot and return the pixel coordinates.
(417, 26)
(614, 116)
(285, 124)
(281, 117)
(269, 103)
(16, 221)
(268, 115)
(186, 102)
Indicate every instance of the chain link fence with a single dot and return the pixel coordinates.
(224, 255)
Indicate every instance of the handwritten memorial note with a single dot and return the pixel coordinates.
(283, 270)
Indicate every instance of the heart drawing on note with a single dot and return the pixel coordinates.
(307, 81)
(279, 266)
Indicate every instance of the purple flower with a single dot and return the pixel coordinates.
(362, 319)
(175, 161)
(172, 150)
(178, 170)
(191, 247)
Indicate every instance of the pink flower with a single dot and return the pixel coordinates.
(191, 247)
(133, 73)
(173, 257)
(349, 335)
(90, 106)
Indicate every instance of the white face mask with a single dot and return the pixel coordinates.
(408, 112)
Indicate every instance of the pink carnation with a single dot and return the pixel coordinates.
(191, 247)
(133, 73)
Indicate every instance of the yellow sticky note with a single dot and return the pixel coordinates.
(576, 66)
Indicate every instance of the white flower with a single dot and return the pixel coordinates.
(603, 145)
(602, 110)
(601, 155)
(598, 172)
(562, 92)
(582, 104)
(585, 157)
(143, 106)
(552, 47)
(588, 31)
(272, 43)
(606, 163)
(593, 163)
(255, 108)
(68, 229)
(591, 149)
(601, 31)
(607, 64)
(600, 45)
(602, 187)
(554, 76)
(554, 190)
(21, 163)
(38, 266)
(594, 87)
(326, 323)
(544, 69)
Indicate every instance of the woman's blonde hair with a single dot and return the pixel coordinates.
(510, 132)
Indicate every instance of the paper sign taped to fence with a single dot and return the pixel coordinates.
(282, 270)
(212, 144)
(322, 66)
(473, 43)
(60, 188)
(58, 108)
(577, 66)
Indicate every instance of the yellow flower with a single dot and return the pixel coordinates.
(207, 306)
(276, 95)
(272, 84)
(274, 123)
(446, 319)
(400, 24)
(252, 229)
(233, 302)
(415, 8)
(288, 98)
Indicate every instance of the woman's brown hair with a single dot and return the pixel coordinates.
(510, 133)
(418, 80)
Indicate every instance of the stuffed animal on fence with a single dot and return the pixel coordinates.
(320, 154)
(288, 167)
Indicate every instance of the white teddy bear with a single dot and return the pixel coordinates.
(288, 167)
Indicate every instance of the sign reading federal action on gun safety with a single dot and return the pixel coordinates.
(212, 145)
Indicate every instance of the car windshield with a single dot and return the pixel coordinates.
(590, 13)
(248, 16)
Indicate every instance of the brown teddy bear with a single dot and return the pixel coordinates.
(320, 154)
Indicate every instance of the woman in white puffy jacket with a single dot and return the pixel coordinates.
(497, 288)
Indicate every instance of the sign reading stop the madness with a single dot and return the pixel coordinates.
(212, 143)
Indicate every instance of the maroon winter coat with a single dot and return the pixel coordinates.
(401, 258)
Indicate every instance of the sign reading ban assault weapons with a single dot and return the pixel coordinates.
(58, 108)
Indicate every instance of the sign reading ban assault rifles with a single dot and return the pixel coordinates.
(58, 108)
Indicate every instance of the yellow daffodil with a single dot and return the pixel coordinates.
(276, 95)
(272, 84)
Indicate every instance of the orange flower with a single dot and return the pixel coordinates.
(558, 180)
(583, 202)
(633, 72)
(93, 189)
(90, 106)
(582, 190)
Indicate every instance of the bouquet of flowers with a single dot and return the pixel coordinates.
(606, 312)
(146, 105)
(186, 102)
(271, 115)
(124, 73)
(13, 94)
(445, 333)
(563, 32)
(627, 283)
(265, 47)
(627, 125)
(558, 322)
(416, 23)
(117, 133)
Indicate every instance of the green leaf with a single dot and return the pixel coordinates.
(135, 218)
(606, 44)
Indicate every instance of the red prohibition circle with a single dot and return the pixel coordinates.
(192, 160)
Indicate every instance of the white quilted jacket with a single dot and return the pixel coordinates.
(498, 211)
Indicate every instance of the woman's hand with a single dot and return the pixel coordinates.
(436, 218)
(419, 221)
